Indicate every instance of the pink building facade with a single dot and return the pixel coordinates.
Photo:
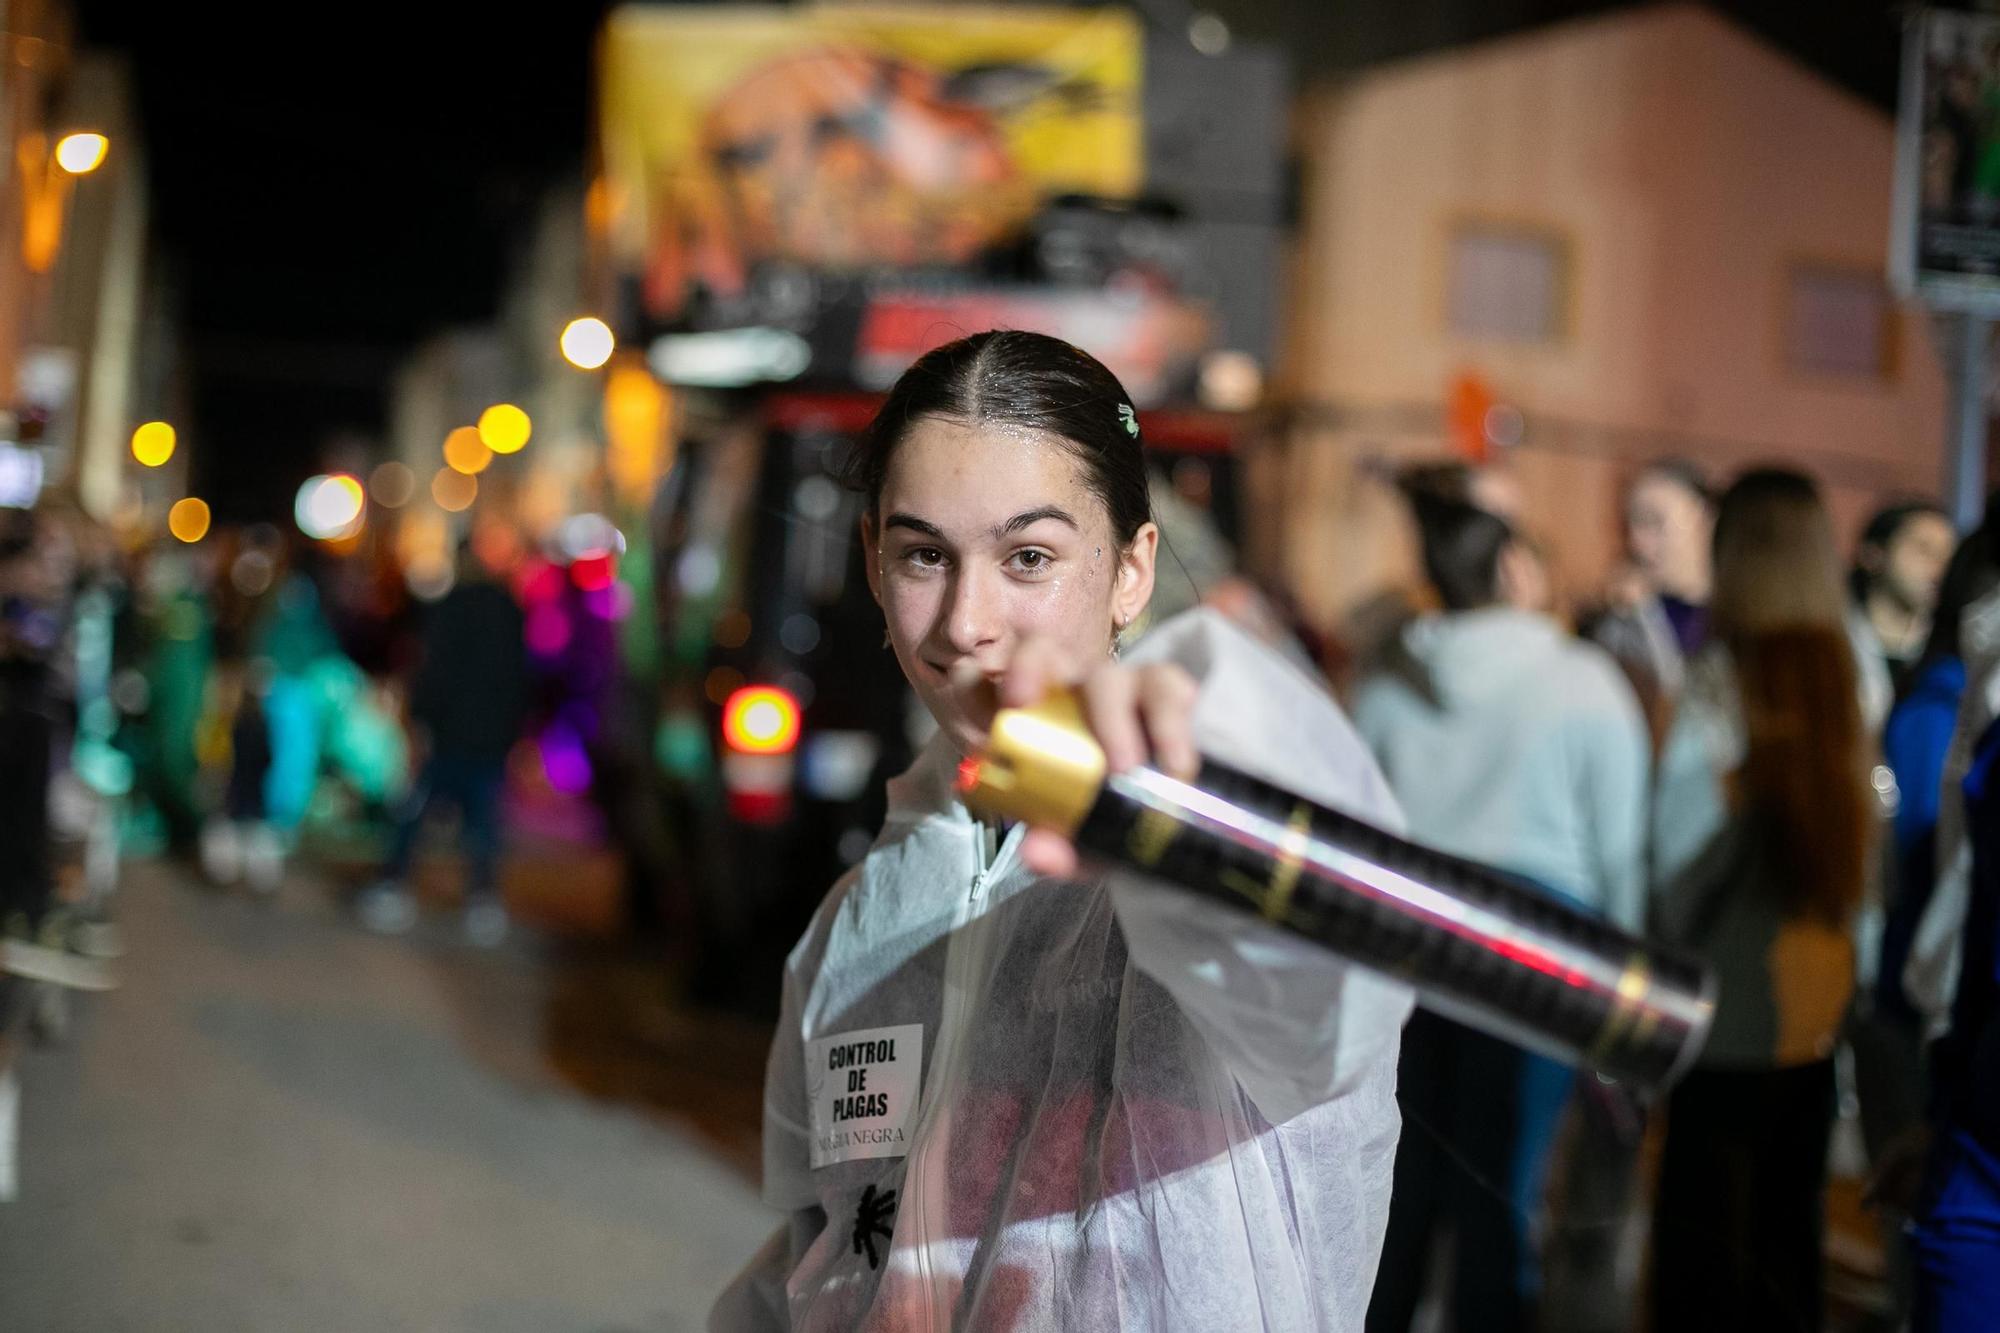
(1646, 234)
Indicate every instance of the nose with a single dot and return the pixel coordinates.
(971, 620)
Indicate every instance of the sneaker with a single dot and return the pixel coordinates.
(388, 909)
(486, 924)
(44, 954)
(263, 859)
(221, 852)
(96, 937)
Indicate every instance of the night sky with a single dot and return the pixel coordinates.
(324, 207)
(363, 183)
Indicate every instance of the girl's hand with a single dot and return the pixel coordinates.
(1140, 715)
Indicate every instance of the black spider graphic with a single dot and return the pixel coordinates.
(873, 1218)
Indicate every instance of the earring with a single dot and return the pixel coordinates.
(885, 638)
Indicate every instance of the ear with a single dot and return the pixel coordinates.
(1523, 579)
(871, 554)
(1135, 574)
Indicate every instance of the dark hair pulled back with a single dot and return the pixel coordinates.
(1462, 545)
(1884, 527)
(1888, 522)
(1006, 377)
(1973, 573)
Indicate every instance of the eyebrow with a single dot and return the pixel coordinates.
(1028, 518)
(914, 524)
(1025, 519)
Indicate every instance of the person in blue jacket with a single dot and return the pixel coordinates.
(1914, 745)
(1955, 1235)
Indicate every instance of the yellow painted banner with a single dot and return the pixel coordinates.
(842, 138)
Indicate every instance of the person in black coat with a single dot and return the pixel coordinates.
(466, 707)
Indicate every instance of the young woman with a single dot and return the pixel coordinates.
(1009, 1094)
(1763, 820)
(1657, 620)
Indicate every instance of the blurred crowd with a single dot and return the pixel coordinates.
(1775, 762)
(229, 703)
(164, 697)
(1742, 745)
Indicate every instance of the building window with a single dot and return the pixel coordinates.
(1508, 282)
(1839, 322)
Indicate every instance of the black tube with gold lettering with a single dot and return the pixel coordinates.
(1482, 948)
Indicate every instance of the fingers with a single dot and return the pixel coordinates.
(1049, 853)
(980, 699)
(1166, 706)
(1144, 713)
(1038, 665)
(1110, 699)
(1135, 713)
(1132, 713)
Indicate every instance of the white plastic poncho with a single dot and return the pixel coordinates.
(1002, 1102)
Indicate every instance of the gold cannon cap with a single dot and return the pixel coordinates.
(1042, 766)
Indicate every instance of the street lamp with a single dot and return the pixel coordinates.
(153, 443)
(465, 452)
(392, 484)
(330, 507)
(188, 520)
(81, 153)
(587, 343)
(505, 428)
(454, 491)
(47, 177)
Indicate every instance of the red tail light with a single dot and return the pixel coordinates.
(761, 719)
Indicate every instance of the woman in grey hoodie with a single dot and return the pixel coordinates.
(1511, 743)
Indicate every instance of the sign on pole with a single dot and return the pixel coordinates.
(1945, 239)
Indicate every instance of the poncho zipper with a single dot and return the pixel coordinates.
(951, 1024)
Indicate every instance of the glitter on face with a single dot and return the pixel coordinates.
(966, 594)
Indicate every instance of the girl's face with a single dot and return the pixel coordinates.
(985, 536)
(1670, 530)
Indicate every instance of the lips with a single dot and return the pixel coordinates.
(963, 673)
